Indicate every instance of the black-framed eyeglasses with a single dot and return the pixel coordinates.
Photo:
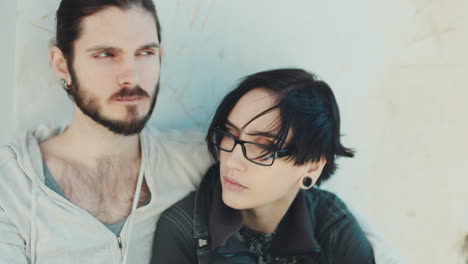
(259, 154)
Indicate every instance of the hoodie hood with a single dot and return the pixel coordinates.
(27, 149)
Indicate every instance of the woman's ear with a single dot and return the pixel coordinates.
(59, 64)
(315, 168)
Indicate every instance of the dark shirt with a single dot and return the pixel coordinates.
(317, 228)
(259, 244)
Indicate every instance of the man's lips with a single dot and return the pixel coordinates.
(129, 99)
(233, 185)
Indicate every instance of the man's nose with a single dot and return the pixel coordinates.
(128, 73)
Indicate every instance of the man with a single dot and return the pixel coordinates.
(93, 191)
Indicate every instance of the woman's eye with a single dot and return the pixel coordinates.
(265, 141)
(268, 157)
(232, 132)
(265, 157)
(267, 145)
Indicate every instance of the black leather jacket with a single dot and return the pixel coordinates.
(317, 228)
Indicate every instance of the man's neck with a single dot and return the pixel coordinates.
(86, 141)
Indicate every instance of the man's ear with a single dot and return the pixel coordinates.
(161, 52)
(59, 64)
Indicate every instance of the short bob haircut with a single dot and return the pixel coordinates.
(307, 108)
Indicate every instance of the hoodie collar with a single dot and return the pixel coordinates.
(29, 154)
(27, 148)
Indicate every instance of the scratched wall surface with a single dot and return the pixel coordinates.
(7, 48)
(397, 67)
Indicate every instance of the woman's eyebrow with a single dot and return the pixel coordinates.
(230, 124)
(263, 134)
(266, 134)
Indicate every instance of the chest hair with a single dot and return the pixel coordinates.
(105, 190)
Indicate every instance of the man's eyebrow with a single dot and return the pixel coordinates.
(152, 45)
(102, 47)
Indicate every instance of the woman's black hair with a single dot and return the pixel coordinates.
(307, 108)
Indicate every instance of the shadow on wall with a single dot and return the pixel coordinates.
(465, 248)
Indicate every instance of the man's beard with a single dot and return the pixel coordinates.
(130, 125)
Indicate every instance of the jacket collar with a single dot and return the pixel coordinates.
(294, 235)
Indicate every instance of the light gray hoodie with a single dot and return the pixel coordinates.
(37, 225)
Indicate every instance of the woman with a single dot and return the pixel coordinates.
(275, 136)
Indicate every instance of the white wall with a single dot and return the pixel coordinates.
(397, 67)
(7, 53)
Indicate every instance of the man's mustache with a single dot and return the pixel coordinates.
(128, 93)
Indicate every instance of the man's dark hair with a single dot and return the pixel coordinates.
(307, 108)
(71, 13)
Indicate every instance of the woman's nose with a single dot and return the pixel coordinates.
(235, 159)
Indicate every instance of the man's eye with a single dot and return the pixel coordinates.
(103, 55)
(146, 53)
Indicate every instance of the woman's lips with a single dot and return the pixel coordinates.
(232, 185)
